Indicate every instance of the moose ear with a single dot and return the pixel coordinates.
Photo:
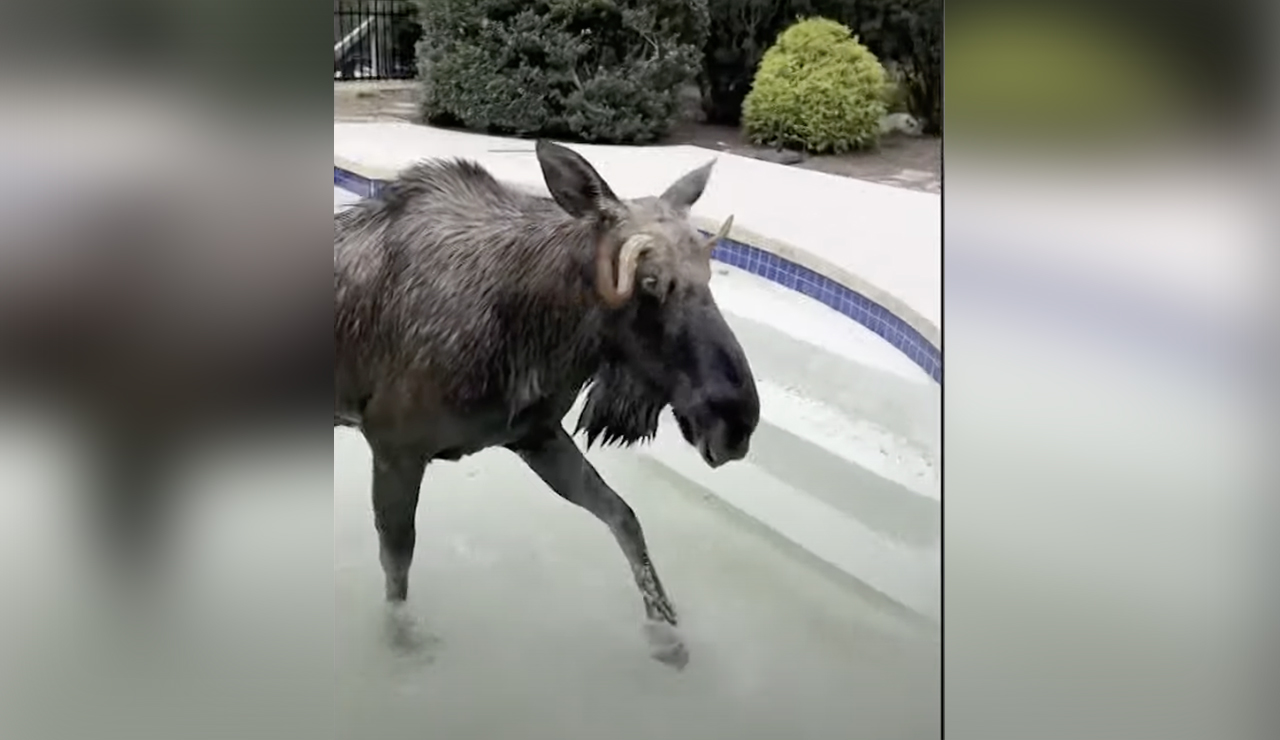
(573, 182)
(686, 191)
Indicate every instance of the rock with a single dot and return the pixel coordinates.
(900, 122)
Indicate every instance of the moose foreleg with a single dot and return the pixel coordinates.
(397, 482)
(562, 466)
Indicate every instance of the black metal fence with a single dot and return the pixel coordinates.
(374, 39)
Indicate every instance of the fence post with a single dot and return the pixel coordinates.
(371, 42)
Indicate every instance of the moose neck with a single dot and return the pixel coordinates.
(556, 318)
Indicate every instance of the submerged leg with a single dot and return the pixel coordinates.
(561, 465)
(397, 479)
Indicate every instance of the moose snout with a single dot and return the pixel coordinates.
(719, 438)
(718, 445)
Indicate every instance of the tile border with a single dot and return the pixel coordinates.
(901, 327)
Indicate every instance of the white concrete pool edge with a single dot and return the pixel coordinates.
(908, 576)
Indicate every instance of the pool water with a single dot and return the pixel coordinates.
(529, 623)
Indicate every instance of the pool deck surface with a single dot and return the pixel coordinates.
(878, 240)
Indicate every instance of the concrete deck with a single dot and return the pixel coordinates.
(880, 241)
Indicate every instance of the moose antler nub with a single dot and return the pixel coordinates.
(711, 242)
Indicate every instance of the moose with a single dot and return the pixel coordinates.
(470, 315)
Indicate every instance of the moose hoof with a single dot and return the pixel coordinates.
(405, 635)
(665, 645)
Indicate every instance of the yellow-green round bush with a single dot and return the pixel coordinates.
(817, 89)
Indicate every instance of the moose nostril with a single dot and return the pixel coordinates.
(734, 453)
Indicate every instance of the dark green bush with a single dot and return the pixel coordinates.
(741, 31)
(907, 32)
(817, 89)
(591, 70)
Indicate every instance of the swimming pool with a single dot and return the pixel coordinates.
(807, 576)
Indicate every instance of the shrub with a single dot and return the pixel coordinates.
(591, 70)
(741, 31)
(818, 89)
(908, 32)
(896, 93)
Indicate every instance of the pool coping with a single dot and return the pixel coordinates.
(796, 269)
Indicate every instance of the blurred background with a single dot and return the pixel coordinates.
(160, 219)
(1109, 332)
(1110, 335)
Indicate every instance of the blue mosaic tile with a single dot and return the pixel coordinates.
(352, 182)
(799, 278)
(838, 297)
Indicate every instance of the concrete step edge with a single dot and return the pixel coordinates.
(910, 577)
(859, 442)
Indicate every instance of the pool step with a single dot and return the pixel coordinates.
(907, 574)
(817, 353)
(818, 482)
(854, 440)
(850, 465)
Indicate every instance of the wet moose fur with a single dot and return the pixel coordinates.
(470, 315)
